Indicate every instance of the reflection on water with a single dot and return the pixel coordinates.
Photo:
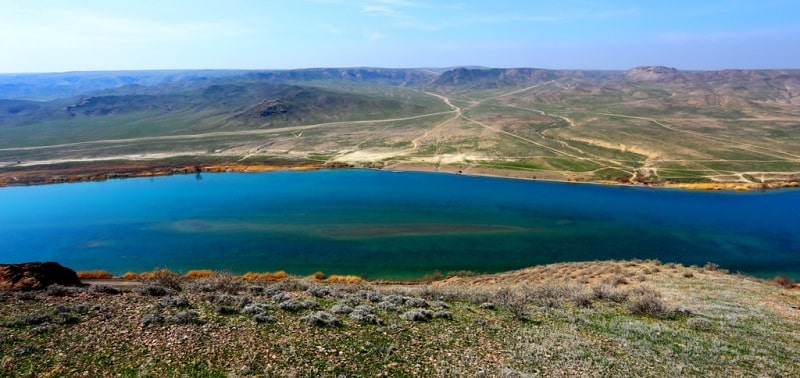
(382, 224)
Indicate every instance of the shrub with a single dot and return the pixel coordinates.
(608, 292)
(293, 305)
(67, 318)
(38, 330)
(318, 291)
(94, 275)
(225, 282)
(784, 281)
(582, 299)
(615, 280)
(350, 299)
(345, 279)
(203, 273)
(152, 318)
(184, 317)
(370, 295)
(435, 276)
(648, 303)
(164, 278)
(710, 266)
(548, 296)
(341, 309)
(417, 315)
(317, 276)
(103, 289)
(25, 295)
(281, 297)
(276, 276)
(153, 291)
(170, 301)
(130, 276)
(365, 314)
(396, 299)
(416, 303)
(255, 289)
(263, 318)
(35, 318)
(447, 315)
(57, 290)
(440, 304)
(389, 306)
(514, 301)
(321, 319)
(700, 324)
(688, 274)
(225, 310)
(256, 308)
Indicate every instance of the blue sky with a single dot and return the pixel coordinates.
(65, 35)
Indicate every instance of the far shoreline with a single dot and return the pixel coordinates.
(75, 172)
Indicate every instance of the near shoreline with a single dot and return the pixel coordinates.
(72, 172)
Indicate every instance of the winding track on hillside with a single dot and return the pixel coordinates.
(224, 133)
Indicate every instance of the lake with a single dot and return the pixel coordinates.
(381, 224)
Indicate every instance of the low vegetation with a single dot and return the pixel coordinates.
(616, 318)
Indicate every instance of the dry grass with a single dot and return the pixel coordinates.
(203, 273)
(334, 278)
(94, 275)
(267, 276)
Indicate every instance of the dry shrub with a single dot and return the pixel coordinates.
(317, 276)
(203, 273)
(276, 276)
(163, 277)
(608, 292)
(647, 301)
(130, 276)
(515, 301)
(345, 279)
(786, 282)
(94, 275)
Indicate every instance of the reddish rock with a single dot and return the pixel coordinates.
(36, 276)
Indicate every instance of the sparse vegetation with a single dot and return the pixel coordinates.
(575, 322)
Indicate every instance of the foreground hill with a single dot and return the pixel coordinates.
(647, 125)
(617, 318)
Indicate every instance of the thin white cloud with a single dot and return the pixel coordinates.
(378, 10)
(77, 27)
(374, 36)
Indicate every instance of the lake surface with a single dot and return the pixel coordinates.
(389, 224)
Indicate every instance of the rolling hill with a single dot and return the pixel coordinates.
(652, 125)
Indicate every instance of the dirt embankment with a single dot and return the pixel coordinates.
(78, 172)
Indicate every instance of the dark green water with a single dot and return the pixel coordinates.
(387, 224)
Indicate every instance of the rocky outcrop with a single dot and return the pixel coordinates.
(653, 73)
(36, 276)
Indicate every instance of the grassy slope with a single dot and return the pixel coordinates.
(713, 324)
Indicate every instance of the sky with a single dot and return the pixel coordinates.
(86, 35)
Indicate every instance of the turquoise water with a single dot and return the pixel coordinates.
(389, 224)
